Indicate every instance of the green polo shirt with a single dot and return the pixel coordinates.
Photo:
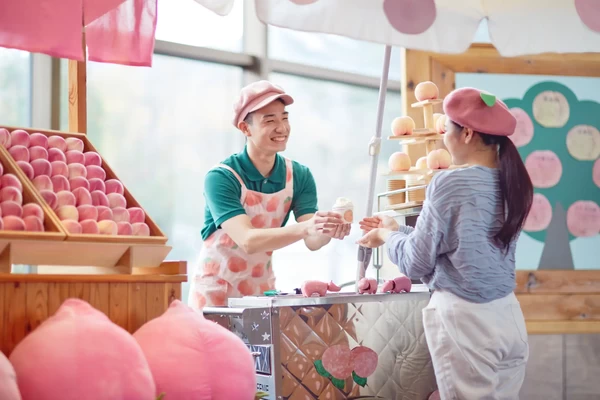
(223, 191)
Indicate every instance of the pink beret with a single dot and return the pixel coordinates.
(255, 96)
(480, 111)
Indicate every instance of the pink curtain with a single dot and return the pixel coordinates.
(117, 31)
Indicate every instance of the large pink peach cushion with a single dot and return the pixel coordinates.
(77, 354)
(193, 358)
(8, 380)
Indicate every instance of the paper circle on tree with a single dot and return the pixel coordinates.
(596, 173)
(589, 12)
(540, 214)
(524, 130)
(410, 17)
(544, 168)
(583, 142)
(551, 109)
(583, 218)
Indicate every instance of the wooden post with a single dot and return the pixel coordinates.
(78, 94)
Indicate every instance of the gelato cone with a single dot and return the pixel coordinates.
(345, 208)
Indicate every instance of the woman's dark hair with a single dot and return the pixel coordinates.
(515, 185)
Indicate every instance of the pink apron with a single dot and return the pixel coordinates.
(225, 270)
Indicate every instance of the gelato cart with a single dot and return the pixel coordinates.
(341, 346)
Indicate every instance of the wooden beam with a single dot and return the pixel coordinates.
(558, 282)
(484, 58)
(560, 307)
(78, 94)
(562, 327)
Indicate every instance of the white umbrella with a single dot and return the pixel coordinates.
(516, 27)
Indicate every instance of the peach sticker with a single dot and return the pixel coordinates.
(551, 109)
(544, 168)
(596, 172)
(583, 218)
(524, 130)
(583, 142)
(540, 215)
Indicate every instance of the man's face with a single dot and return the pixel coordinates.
(268, 128)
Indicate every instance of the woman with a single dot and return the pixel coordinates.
(463, 247)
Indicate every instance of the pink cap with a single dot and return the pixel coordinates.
(255, 96)
(480, 111)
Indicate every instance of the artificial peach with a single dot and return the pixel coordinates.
(440, 124)
(33, 224)
(77, 169)
(403, 126)
(38, 152)
(108, 227)
(104, 213)
(74, 144)
(13, 223)
(11, 208)
(94, 171)
(19, 137)
(38, 139)
(74, 156)
(73, 227)
(399, 161)
(116, 200)
(59, 168)
(57, 142)
(11, 180)
(89, 226)
(41, 167)
(99, 198)
(439, 159)
(87, 212)
(114, 186)
(60, 183)
(65, 198)
(120, 214)
(82, 196)
(97, 184)
(140, 229)
(32, 209)
(11, 193)
(67, 212)
(19, 153)
(426, 91)
(50, 198)
(124, 228)
(4, 138)
(78, 182)
(136, 214)
(55, 154)
(421, 163)
(43, 182)
(92, 158)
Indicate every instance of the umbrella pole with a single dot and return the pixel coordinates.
(364, 254)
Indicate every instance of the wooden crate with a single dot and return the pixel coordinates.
(27, 300)
(156, 235)
(53, 227)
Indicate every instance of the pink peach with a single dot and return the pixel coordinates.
(78, 182)
(87, 212)
(38, 139)
(426, 91)
(82, 196)
(59, 168)
(43, 182)
(50, 198)
(12, 223)
(72, 227)
(60, 183)
(19, 137)
(57, 142)
(55, 154)
(64, 198)
(92, 158)
(99, 198)
(140, 229)
(93, 171)
(33, 224)
(116, 200)
(399, 161)
(38, 152)
(19, 153)
(41, 167)
(90, 227)
(120, 214)
(97, 184)
(104, 213)
(74, 144)
(67, 212)
(11, 180)
(4, 138)
(75, 157)
(108, 227)
(124, 228)
(114, 186)
(1, 169)
(403, 126)
(77, 169)
(11, 208)
(11, 193)
(26, 168)
(32, 209)
(136, 214)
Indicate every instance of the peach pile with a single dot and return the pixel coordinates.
(74, 184)
(17, 216)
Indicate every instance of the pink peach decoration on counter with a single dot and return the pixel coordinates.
(339, 362)
(73, 183)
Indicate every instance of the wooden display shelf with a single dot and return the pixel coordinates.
(418, 136)
(420, 174)
(404, 206)
(157, 237)
(426, 103)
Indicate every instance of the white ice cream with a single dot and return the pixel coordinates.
(343, 202)
(345, 207)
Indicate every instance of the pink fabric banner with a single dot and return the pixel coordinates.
(117, 31)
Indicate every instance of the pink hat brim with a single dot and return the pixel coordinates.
(263, 101)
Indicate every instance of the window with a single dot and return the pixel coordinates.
(186, 22)
(332, 124)
(161, 129)
(15, 87)
(331, 51)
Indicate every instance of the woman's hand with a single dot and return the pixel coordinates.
(383, 221)
(374, 238)
(340, 232)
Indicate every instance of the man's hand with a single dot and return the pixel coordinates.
(383, 221)
(374, 238)
(323, 223)
(340, 232)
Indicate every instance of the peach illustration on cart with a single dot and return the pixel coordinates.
(339, 362)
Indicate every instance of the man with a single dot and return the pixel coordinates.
(249, 198)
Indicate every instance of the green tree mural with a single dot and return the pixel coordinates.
(558, 138)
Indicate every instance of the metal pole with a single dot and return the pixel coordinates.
(364, 254)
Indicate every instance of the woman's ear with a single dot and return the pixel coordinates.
(468, 132)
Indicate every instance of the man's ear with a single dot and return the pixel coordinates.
(468, 132)
(243, 126)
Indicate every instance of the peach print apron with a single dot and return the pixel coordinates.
(225, 270)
